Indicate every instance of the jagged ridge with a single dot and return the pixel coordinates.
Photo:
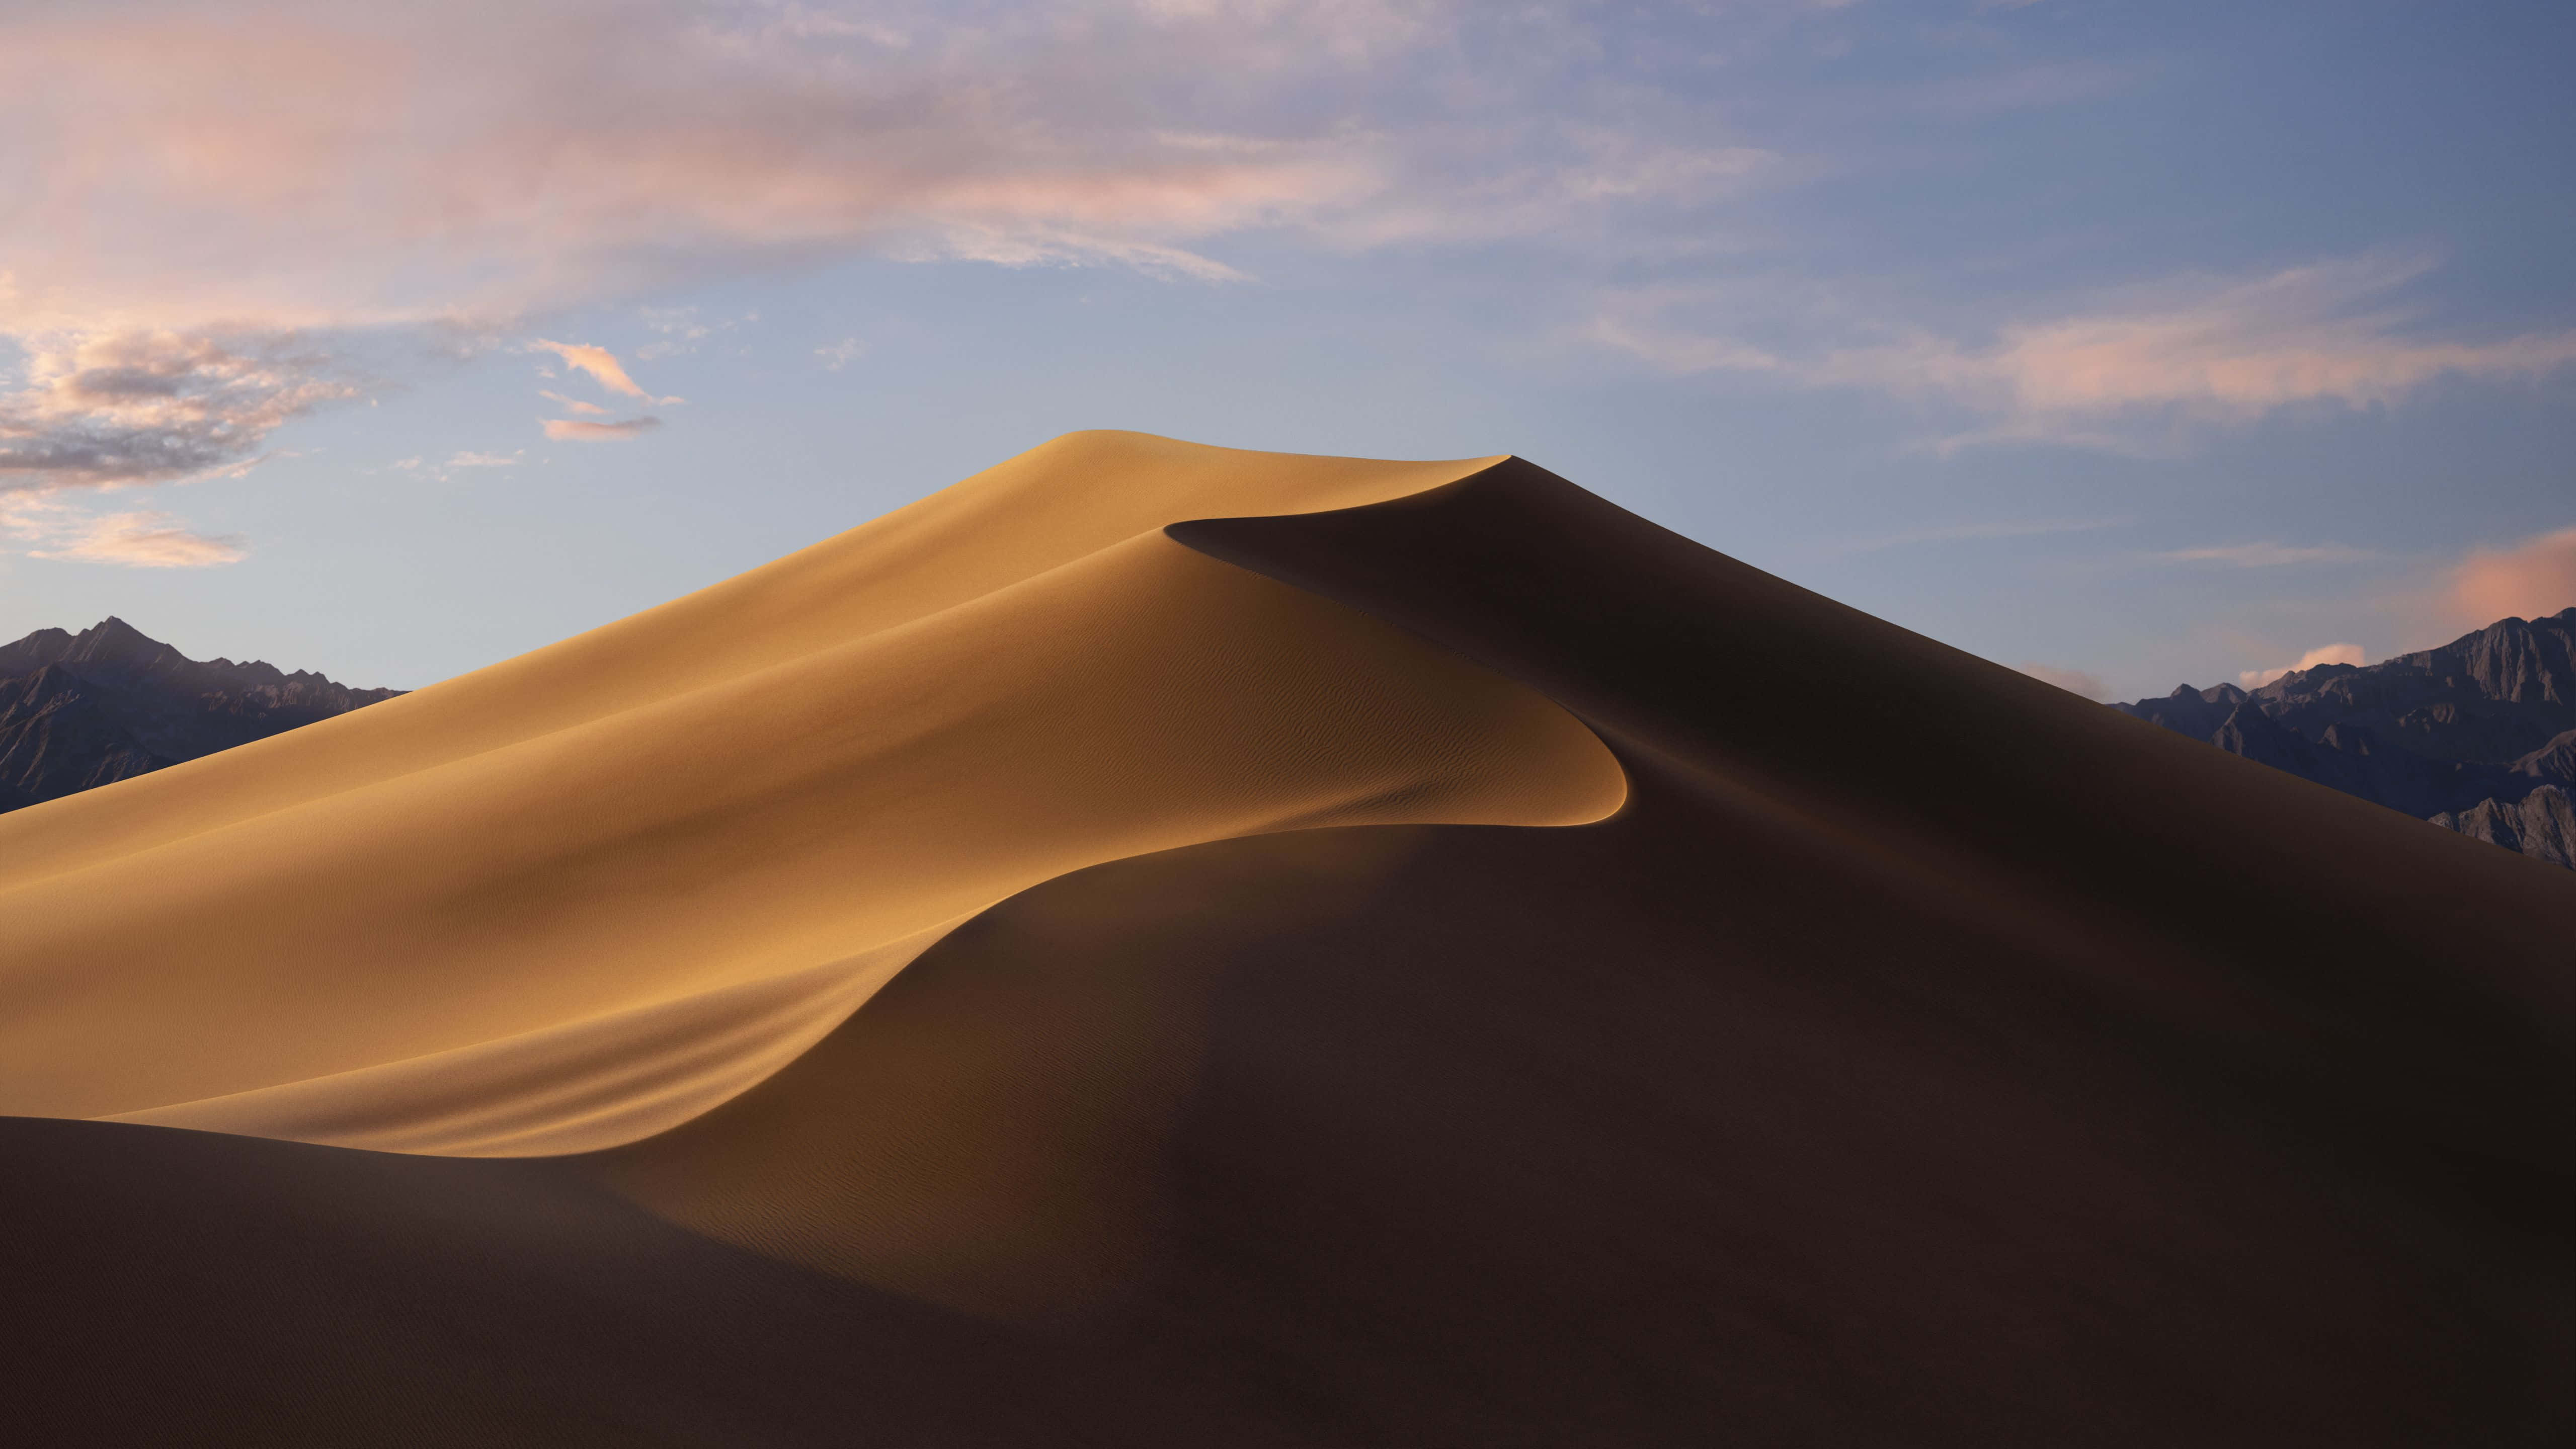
(82, 710)
(2477, 736)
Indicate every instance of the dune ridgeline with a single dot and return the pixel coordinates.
(1158, 944)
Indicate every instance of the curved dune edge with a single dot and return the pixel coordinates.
(568, 1088)
(588, 893)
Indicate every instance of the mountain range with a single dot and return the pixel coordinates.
(82, 710)
(2477, 736)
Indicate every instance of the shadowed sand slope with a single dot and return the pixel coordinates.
(1859, 1081)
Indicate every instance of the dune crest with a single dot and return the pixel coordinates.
(589, 893)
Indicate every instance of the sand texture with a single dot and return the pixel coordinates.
(1106, 988)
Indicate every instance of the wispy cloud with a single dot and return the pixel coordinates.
(566, 430)
(681, 329)
(2266, 555)
(600, 363)
(588, 150)
(840, 354)
(137, 539)
(1990, 529)
(2534, 577)
(462, 459)
(572, 404)
(2191, 351)
(2323, 654)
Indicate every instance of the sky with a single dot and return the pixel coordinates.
(2132, 344)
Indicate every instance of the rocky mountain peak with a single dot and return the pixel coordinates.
(88, 709)
(2442, 733)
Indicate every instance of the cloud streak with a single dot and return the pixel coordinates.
(2266, 555)
(1991, 529)
(491, 160)
(2193, 351)
(571, 430)
(2529, 579)
(600, 363)
(135, 539)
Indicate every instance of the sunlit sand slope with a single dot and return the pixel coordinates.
(584, 895)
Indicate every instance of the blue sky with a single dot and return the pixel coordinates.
(2144, 342)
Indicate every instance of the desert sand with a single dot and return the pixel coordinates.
(1159, 944)
(585, 895)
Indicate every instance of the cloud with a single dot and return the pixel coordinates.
(448, 171)
(2246, 349)
(2324, 654)
(567, 430)
(681, 330)
(485, 460)
(2266, 555)
(1557, 180)
(600, 363)
(2527, 580)
(139, 539)
(484, 159)
(840, 354)
(603, 366)
(455, 170)
(2073, 681)
(2024, 87)
(111, 408)
(2436, 599)
(573, 404)
(2194, 351)
(1998, 528)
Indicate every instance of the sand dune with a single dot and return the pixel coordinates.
(585, 895)
(1859, 1075)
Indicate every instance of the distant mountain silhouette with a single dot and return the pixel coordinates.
(2478, 736)
(82, 710)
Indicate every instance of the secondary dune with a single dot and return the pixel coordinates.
(1877, 1047)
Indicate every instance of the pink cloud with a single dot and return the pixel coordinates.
(134, 540)
(468, 164)
(2324, 654)
(2526, 580)
(145, 406)
(599, 362)
(568, 430)
(572, 404)
(2304, 335)
(2225, 352)
(485, 158)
